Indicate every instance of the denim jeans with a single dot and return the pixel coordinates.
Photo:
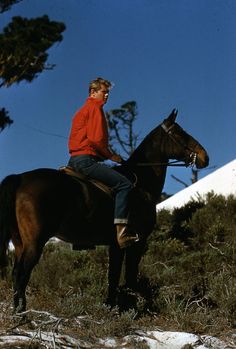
(92, 167)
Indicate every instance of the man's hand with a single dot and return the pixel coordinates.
(116, 158)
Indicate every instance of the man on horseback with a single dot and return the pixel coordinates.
(88, 148)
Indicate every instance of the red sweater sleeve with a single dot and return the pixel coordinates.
(97, 132)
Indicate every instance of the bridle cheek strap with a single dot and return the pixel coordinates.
(192, 155)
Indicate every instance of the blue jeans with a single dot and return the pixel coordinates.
(92, 167)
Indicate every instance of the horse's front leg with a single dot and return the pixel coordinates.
(133, 257)
(116, 257)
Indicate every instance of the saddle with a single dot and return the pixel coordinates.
(81, 177)
(78, 175)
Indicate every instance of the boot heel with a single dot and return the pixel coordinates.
(124, 237)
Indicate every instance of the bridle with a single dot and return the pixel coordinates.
(191, 159)
(192, 156)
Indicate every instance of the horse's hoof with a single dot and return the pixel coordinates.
(111, 302)
(20, 307)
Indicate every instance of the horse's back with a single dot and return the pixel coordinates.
(62, 206)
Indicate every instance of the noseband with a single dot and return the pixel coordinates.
(192, 154)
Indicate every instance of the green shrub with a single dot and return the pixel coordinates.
(194, 253)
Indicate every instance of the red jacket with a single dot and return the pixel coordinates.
(89, 132)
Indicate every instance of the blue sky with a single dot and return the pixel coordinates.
(163, 54)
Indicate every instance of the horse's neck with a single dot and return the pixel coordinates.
(150, 177)
(151, 180)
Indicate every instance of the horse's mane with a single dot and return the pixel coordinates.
(139, 153)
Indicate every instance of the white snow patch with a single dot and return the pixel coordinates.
(154, 340)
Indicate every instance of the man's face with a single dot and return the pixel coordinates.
(102, 94)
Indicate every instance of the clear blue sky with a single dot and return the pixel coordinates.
(163, 54)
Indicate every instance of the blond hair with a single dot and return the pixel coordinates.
(96, 84)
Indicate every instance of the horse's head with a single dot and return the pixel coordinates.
(181, 145)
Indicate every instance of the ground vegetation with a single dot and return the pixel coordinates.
(187, 281)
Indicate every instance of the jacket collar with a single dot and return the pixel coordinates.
(95, 101)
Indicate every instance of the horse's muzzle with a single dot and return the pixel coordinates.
(202, 160)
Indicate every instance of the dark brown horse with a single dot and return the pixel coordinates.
(45, 203)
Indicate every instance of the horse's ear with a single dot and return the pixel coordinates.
(171, 118)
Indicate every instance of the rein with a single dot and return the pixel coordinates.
(170, 163)
(174, 163)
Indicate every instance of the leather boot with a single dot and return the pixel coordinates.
(124, 237)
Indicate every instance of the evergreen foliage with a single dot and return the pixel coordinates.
(5, 120)
(5, 5)
(24, 43)
(195, 263)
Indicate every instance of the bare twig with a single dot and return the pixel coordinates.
(216, 248)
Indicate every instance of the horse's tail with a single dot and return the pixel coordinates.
(8, 189)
